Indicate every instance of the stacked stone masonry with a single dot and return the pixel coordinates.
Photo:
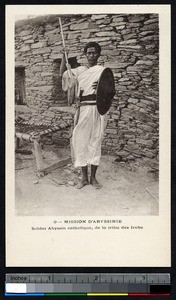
(130, 47)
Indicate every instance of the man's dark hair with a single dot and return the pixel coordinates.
(92, 44)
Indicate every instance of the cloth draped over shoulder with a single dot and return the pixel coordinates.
(89, 131)
(70, 84)
(83, 77)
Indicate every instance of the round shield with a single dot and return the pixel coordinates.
(105, 91)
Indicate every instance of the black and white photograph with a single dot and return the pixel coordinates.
(88, 116)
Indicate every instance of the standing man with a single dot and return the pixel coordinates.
(89, 124)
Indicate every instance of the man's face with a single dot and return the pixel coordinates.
(92, 56)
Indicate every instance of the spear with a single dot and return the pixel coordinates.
(71, 76)
(65, 52)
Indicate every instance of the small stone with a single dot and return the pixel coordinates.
(134, 26)
(36, 181)
(29, 41)
(148, 143)
(144, 62)
(130, 157)
(135, 18)
(142, 110)
(152, 57)
(98, 17)
(117, 65)
(132, 41)
(120, 27)
(148, 27)
(25, 48)
(133, 100)
(118, 19)
(154, 20)
(122, 153)
(106, 33)
(38, 45)
(148, 32)
(25, 33)
(68, 171)
(151, 46)
(129, 47)
(79, 26)
(71, 183)
(147, 38)
(130, 36)
(118, 159)
(118, 24)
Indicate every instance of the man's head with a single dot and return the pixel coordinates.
(92, 51)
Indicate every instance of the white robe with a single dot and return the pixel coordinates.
(89, 131)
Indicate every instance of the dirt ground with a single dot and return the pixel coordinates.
(128, 189)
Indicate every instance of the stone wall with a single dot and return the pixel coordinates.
(130, 47)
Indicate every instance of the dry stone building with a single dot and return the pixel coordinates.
(130, 47)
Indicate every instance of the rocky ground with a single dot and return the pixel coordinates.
(129, 189)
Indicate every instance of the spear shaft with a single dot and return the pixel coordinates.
(65, 52)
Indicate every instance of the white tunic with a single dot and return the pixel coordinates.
(88, 133)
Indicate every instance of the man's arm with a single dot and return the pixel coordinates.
(64, 66)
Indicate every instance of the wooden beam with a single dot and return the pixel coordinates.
(23, 136)
(24, 151)
(57, 165)
(39, 158)
(17, 143)
(71, 145)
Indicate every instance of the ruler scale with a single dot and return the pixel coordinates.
(88, 284)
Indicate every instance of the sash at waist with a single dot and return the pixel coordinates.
(91, 97)
(87, 103)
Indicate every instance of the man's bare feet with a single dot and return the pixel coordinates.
(82, 183)
(95, 183)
